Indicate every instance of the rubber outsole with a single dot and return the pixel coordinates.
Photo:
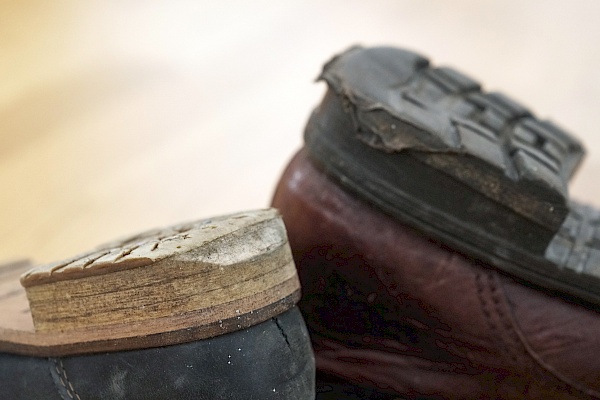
(475, 170)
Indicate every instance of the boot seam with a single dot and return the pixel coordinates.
(537, 361)
(501, 313)
(63, 378)
(490, 306)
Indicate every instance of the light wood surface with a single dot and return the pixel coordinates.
(121, 116)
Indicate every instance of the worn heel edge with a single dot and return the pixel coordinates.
(158, 333)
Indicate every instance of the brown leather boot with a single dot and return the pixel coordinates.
(439, 253)
(393, 313)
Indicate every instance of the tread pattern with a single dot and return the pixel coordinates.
(500, 119)
(407, 86)
(507, 170)
(511, 125)
(507, 123)
(488, 141)
(577, 244)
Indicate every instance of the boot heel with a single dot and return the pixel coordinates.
(187, 282)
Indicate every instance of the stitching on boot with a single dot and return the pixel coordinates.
(535, 361)
(483, 301)
(500, 309)
(487, 292)
(67, 386)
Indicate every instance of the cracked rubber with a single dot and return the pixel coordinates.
(476, 171)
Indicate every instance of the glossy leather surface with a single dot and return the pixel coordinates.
(388, 308)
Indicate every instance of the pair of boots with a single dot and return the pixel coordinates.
(438, 251)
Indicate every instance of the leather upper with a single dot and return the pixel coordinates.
(389, 308)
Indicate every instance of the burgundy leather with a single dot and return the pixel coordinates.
(390, 309)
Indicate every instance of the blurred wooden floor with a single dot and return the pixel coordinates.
(121, 116)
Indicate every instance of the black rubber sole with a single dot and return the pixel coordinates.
(476, 171)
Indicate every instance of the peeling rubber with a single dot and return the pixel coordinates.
(475, 171)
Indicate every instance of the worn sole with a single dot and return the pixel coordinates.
(476, 171)
(168, 286)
